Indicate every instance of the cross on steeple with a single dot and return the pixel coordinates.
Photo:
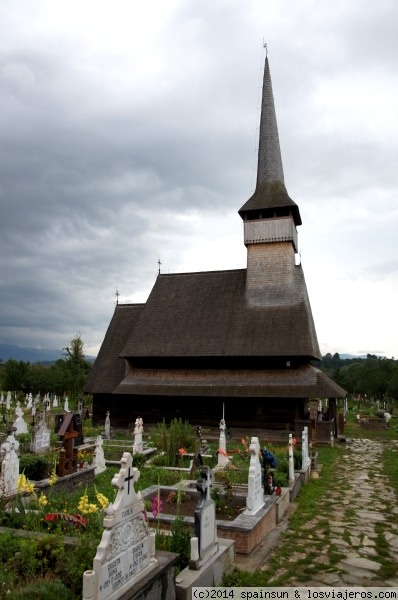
(159, 263)
(117, 296)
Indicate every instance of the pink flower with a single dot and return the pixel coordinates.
(156, 506)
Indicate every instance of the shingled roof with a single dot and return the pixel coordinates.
(109, 369)
(207, 314)
(270, 193)
(303, 382)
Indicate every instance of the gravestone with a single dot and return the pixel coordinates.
(305, 460)
(79, 426)
(204, 544)
(68, 455)
(222, 459)
(40, 441)
(255, 492)
(126, 553)
(9, 466)
(138, 430)
(291, 459)
(99, 458)
(66, 404)
(29, 401)
(107, 429)
(20, 423)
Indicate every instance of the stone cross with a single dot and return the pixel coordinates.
(107, 425)
(99, 458)
(204, 543)
(291, 459)
(138, 444)
(20, 423)
(126, 553)
(223, 459)
(255, 495)
(9, 467)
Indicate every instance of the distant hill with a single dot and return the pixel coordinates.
(32, 355)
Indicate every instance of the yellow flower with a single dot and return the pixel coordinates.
(53, 477)
(43, 500)
(29, 488)
(24, 485)
(21, 482)
(102, 500)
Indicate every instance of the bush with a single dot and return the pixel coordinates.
(169, 439)
(35, 466)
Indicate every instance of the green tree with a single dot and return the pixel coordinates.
(76, 367)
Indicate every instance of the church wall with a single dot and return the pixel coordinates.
(269, 265)
(276, 413)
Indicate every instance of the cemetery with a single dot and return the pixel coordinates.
(156, 507)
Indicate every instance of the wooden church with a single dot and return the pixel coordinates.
(241, 339)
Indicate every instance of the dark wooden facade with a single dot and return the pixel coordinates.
(244, 339)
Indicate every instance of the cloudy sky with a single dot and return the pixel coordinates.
(128, 135)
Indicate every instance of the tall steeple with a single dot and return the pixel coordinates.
(270, 199)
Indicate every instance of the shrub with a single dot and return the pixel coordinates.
(35, 466)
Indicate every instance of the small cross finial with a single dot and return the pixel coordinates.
(117, 296)
(266, 47)
(159, 263)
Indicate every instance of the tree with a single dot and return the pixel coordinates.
(76, 367)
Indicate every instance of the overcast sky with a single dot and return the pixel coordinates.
(128, 134)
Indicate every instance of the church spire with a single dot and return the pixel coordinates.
(270, 198)
(269, 154)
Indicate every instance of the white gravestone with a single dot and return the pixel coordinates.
(126, 553)
(9, 467)
(8, 401)
(40, 437)
(20, 425)
(223, 459)
(55, 402)
(107, 425)
(305, 462)
(99, 458)
(204, 544)
(138, 430)
(66, 404)
(291, 459)
(255, 492)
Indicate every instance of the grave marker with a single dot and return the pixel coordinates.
(138, 430)
(9, 466)
(126, 553)
(204, 544)
(40, 441)
(255, 492)
(99, 457)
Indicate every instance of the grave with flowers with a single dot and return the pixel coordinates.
(126, 563)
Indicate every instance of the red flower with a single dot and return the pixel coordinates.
(51, 517)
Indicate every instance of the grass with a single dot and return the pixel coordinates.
(301, 554)
(285, 565)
